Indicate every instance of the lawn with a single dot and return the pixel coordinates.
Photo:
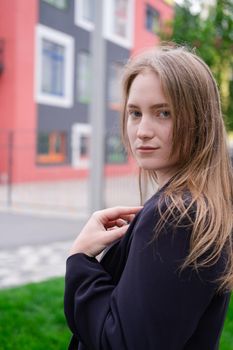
(227, 334)
(31, 318)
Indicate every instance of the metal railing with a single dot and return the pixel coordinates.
(27, 184)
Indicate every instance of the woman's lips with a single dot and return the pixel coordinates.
(145, 149)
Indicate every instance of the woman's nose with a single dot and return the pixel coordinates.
(145, 129)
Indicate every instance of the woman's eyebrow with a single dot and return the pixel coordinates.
(156, 105)
(160, 105)
(132, 106)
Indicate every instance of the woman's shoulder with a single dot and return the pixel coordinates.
(179, 204)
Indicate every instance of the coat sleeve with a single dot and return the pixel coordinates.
(117, 252)
(150, 306)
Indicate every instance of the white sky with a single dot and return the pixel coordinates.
(197, 4)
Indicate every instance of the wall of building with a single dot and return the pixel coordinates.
(50, 118)
(25, 114)
(7, 78)
(17, 105)
(143, 38)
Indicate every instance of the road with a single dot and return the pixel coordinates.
(23, 229)
(34, 248)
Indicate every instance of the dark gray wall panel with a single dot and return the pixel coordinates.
(61, 119)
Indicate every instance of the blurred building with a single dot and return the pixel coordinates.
(45, 81)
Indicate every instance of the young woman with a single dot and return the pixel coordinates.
(165, 283)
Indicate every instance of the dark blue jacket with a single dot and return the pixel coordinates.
(136, 298)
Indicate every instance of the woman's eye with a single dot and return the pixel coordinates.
(164, 114)
(135, 114)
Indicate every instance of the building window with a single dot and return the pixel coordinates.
(51, 147)
(81, 134)
(115, 73)
(118, 17)
(84, 14)
(152, 19)
(115, 153)
(54, 67)
(88, 10)
(83, 77)
(61, 4)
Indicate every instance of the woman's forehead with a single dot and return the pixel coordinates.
(146, 88)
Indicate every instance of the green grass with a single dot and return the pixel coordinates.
(226, 342)
(32, 318)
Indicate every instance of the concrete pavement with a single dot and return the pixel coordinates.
(38, 228)
(30, 263)
(25, 229)
(34, 248)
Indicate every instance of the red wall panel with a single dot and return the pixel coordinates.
(143, 39)
(17, 106)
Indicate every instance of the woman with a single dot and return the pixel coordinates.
(165, 284)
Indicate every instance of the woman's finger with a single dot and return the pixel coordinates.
(114, 234)
(118, 222)
(110, 214)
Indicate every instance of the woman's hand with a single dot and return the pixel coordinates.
(103, 228)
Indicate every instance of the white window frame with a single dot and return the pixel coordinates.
(116, 84)
(66, 101)
(107, 22)
(108, 34)
(78, 16)
(79, 130)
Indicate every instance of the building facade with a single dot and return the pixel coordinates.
(46, 79)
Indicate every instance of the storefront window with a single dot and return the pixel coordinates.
(51, 147)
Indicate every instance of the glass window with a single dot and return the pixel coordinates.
(81, 134)
(152, 19)
(84, 13)
(83, 77)
(115, 153)
(88, 10)
(84, 147)
(51, 147)
(120, 17)
(118, 21)
(115, 71)
(61, 4)
(53, 68)
(43, 143)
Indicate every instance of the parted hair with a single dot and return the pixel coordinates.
(199, 137)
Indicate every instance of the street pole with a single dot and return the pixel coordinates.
(97, 112)
(10, 167)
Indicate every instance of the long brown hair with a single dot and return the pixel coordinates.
(199, 137)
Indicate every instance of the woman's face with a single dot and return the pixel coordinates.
(149, 126)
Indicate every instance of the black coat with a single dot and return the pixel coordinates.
(136, 298)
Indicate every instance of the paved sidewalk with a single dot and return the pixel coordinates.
(37, 231)
(32, 263)
(34, 248)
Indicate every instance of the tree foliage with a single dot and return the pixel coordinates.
(210, 32)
